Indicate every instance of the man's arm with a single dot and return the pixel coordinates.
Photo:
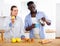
(27, 27)
(30, 27)
(6, 24)
(45, 20)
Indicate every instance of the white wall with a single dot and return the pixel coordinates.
(58, 19)
(1, 3)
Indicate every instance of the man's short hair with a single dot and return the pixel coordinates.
(13, 7)
(30, 2)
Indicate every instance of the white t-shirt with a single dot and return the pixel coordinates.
(36, 29)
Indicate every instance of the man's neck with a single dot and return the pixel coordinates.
(33, 14)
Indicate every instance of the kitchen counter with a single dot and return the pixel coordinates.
(55, 42)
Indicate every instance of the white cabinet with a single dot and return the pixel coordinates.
(58, 20)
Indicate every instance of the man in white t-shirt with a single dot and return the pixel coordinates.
(33, 18)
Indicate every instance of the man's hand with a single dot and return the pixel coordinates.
(42, 24)
(48, 23)
(33, 25)
(44, 20)
(30, 27)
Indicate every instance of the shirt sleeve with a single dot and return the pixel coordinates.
(46, 17)
(6, 24)
(26, 22)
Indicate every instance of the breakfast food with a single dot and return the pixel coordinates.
(13, 40)
(18, 39)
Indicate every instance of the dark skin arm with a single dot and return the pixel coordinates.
(30, 27)
(42, 24)
(48, 23)
(33, 25)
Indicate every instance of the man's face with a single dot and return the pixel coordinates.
(31, 7)
(14, 11)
